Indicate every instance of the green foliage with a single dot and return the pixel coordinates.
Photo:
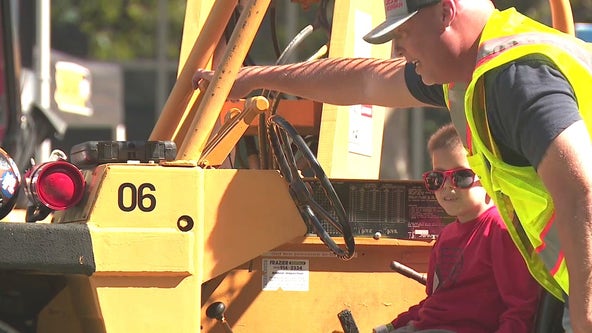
(121, 30)
(126, 30)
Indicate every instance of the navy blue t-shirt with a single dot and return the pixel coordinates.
(529, 102)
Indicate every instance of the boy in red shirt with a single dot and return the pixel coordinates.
(477, 280)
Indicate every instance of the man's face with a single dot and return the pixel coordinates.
(420, 40)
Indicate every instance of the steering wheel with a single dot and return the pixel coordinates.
(284, 138)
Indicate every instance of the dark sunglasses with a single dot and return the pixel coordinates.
(460, 178)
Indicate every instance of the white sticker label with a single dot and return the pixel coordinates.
(287, 275)
(360, 130)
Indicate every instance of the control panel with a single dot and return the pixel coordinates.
(401, 209)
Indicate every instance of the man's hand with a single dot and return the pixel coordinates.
(201, 79)
(241, 88)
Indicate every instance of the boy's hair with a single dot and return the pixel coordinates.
(445, 137)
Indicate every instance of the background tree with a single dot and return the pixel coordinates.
(115, 30)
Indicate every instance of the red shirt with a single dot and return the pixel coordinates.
(477, 282)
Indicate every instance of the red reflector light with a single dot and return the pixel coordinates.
(58, 185)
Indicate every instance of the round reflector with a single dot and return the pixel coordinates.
(58, 185)
(10, 183)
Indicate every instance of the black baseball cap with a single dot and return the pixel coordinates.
(397, 12)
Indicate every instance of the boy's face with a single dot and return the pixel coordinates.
(465, 204)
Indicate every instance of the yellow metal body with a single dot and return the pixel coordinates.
(149, 271)
(224, 141)
(208, 111)
(195, 236)
(202, 31)
(364, 285)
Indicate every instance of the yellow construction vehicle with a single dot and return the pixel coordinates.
(158, 236)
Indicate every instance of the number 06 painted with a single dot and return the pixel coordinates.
(130, 197)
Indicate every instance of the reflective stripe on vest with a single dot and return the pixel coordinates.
(454, 95)
(550, 236)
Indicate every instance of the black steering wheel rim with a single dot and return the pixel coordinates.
(283, 136)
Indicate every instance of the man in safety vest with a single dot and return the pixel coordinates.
(518, 93)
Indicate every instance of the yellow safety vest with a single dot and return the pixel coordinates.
(523, 202)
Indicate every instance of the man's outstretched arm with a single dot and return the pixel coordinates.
(340, 81)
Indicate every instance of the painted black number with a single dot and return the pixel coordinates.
(129, 197)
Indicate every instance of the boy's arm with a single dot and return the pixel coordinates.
(405, 317)
(412, 314)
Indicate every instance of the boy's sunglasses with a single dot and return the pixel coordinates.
(459, 178)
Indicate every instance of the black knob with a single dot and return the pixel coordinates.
(216, 310)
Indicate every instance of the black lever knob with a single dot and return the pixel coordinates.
(216, 310)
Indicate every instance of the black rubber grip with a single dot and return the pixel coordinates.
(347, 322)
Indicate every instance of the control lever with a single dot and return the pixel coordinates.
(408, 272)
(347, 322)
(216, 311)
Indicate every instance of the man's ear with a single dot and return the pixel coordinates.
(448, 12)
